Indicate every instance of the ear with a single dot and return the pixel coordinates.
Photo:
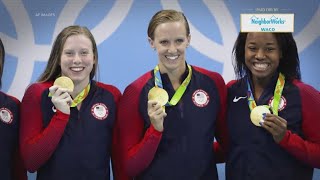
(151, 42)
(189, 39)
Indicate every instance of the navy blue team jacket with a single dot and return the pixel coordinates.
(253, 152)
(84, 150)
(185, 150)
(9, 123)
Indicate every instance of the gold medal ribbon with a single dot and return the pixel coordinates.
(80, 97)
(276, 96)
(180, 91)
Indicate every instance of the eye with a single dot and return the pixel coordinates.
(269, 49)
(84, 53)
(164, 42)
(69, 53)
(179, 41)
(252, 48)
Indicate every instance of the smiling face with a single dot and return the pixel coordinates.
(262, 55)
(77, 59)
(170, 41)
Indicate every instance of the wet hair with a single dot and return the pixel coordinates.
(53, 69)
(289, 64)
(165, 16)
(2, 54)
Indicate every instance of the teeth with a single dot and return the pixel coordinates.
(172, 57)
(260, 65)
(77, 69)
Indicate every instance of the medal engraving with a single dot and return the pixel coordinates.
(257, 114)
(64, 82)
(159, 95)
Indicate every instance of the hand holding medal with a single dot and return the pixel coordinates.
(257, 114)
(157, 99)
(59, 92)
(64, 82)
(158, 94)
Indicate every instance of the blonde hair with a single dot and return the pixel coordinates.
(165, 16)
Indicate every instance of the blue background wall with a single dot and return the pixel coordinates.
(28, 28)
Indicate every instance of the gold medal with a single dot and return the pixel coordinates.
(257, 114)
(64, 82)
(158, 94)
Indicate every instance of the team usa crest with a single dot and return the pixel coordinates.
(200, 98)
(100, 111)
(6, 115)
(282, 104)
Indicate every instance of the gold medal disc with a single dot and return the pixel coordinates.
(64, 82)
(256, 114)
(159, 95)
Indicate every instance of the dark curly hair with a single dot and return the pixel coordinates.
(289, 64)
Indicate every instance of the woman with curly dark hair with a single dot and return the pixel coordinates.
(273, 117)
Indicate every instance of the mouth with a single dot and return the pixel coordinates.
(261, 66)
(172, 58)
(77, 69)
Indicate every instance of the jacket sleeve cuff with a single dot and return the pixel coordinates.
(62, 116)
(285, 139)
(154, 132)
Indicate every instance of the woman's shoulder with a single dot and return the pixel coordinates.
(6, 97)
(215, 76)
(140, 82)
(111, 88)
(237, 83)
(211, 74)
(40, 85)
(37, 88)
(306, 89)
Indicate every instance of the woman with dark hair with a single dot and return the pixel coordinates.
(67, 134)
(11, 166)
(273, 117)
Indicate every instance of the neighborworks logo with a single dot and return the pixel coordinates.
(267, 22)
(273, 20)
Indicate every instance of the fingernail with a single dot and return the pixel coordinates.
(261, 122)
(264, 115)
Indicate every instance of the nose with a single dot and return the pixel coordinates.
(77, 58)
(172, 48)
(260, 54)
